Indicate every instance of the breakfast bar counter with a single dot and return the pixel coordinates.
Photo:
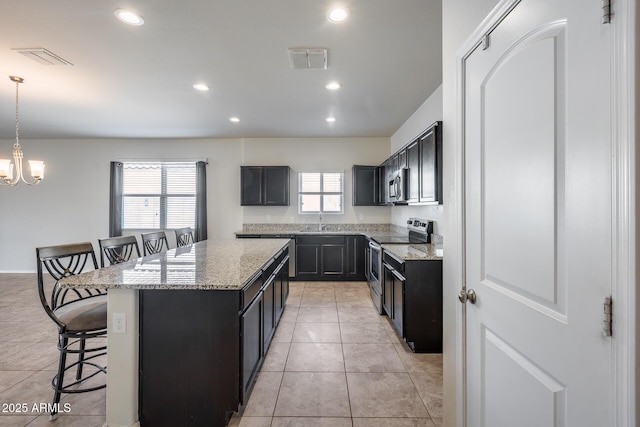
(188, 329)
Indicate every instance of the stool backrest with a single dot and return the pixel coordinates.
(184, 236)
(153, 243)
(117, 250)
(63, 261)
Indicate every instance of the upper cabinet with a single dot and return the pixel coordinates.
(422, 183)
(413, 164)
(264, 185)
(431, 165)
(366, 185)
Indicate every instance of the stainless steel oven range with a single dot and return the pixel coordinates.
(419, 231)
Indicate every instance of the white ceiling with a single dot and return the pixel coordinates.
(137, 81)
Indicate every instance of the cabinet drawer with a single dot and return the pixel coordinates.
(393, 261)
(250, 291)
(321, 240)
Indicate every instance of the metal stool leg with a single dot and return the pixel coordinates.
(80, 359)
(57, 381)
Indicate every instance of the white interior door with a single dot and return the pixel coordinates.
(538, 218)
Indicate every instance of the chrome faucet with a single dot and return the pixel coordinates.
(320, 228)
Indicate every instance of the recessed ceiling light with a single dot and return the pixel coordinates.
(201, 87)
(128, 17)
(330, 119)
(338, 14)
(234, 119)
(333, 85)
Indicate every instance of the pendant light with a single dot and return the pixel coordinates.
(7, 168)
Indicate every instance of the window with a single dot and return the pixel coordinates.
(157, 196)
(320, 192)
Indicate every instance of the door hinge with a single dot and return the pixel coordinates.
(606, 11)
(607, 328)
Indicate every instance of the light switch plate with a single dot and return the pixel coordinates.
(119, 325)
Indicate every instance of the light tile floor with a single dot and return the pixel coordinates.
(333, 362)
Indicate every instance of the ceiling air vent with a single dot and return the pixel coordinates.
(308, 59)
(43, 56)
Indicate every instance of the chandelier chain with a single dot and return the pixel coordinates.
(17, 144)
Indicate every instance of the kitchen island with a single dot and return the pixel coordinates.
(192, 327)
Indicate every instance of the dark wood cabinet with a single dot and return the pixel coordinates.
(356, 262)
(412, 298)
(251, 185)
(251, 321)
(186, 365)
(389, 174)
(413, 177)
(269, 311)
(307, 258)
(264, 185)
(366, 185)
(402, 159)
(197, 370)
(387, 292)
(398, 301)
(332, 258)
(276, 185)
(281, 287)
(431, 166)
(329, 257)
(423, 159)
(320, 257)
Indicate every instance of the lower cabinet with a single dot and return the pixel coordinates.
(269, 318)
(275, 292)
(412, 298)
(198, 370)
(387, 291)
(251, 321)
(330, 257)
(393, 296)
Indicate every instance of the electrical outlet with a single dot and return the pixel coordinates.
(269, 217)
(361, 217)
(119, 323)
(292, 220)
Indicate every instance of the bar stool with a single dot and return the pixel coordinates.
(118, 249)
(81, 316)
(153, 243)
(184, 236)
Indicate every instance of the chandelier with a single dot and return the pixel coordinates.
(6, 167)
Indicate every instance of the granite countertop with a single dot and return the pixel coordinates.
(206, 265)
(297, 232)
(312, 229)
(412, 251)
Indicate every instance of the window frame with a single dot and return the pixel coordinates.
(163, 196)
(321, 193)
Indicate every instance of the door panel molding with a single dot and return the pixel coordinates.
(547, 408)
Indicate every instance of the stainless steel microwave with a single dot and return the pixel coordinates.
(398, 186)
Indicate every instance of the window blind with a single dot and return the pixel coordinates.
(321, 192)
(158, 195)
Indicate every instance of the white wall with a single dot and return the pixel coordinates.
(306, 154)
(428, 113)
(459, 19)
(72, 202)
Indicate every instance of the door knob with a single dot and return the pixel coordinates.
(465, 296)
